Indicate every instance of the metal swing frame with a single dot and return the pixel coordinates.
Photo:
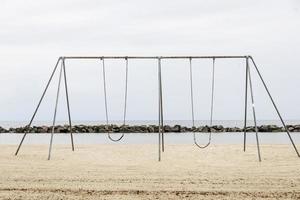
(161, 146)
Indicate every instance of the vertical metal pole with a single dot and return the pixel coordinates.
(212, 93)
(278, 113)
(161, 108)
(40, 101)
(246, 103)
(254, 115)
(68, 103)
(192, 93)
(55, 111)
(104, 89)
(159, 114)
(126, 88)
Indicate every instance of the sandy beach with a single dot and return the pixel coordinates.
(132, 172)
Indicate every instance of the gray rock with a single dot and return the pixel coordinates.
(176, 129)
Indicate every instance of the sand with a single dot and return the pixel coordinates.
(132, 172)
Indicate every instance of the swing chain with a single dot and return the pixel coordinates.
(105, 99)
(212, 104)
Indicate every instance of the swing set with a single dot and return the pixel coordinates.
(161, 142)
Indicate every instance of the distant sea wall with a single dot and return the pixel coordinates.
(145, 129)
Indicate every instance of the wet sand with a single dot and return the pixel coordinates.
(132, 172)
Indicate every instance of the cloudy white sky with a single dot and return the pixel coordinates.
(33, 34)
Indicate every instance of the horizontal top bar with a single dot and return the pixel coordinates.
(150, 57)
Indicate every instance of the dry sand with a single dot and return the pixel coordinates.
(132, 172)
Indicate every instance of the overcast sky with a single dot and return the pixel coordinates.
(33, 34)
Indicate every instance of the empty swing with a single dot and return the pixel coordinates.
(211, 105)
(105, 100)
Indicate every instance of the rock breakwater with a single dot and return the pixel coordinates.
(145, 129)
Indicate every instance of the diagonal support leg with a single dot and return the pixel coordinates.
(278, 113)
(55, 111)
(68, 103)
(41, 99)
(253, 110)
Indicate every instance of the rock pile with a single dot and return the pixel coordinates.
(145, 129)
(3, 130)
